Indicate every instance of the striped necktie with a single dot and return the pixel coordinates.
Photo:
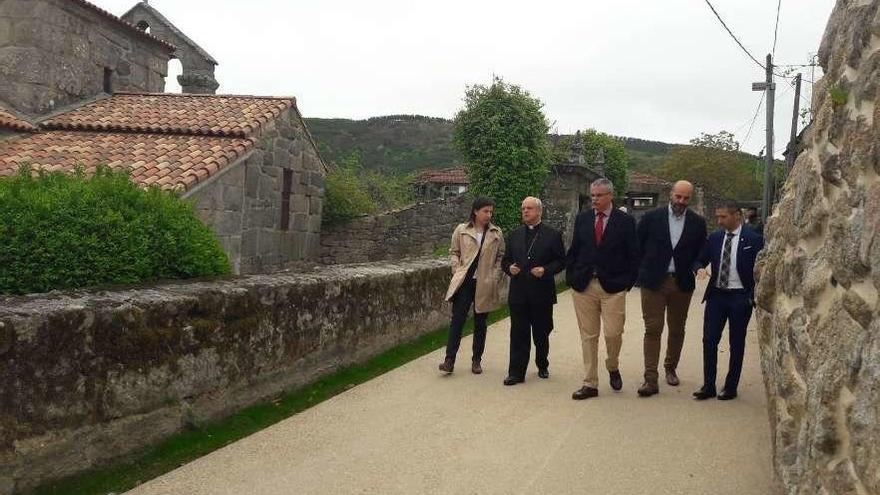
(724, 274)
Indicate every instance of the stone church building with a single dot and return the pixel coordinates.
(81, 86)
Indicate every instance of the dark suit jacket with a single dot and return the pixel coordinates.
(548, 251)
(750, 244)
(655, 245)
(615, 262)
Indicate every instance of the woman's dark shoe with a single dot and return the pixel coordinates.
(476, 368)
(543, 373)
(512, 380)
(447, 365)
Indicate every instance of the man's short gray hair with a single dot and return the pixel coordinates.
(603, 182)
(537, 201)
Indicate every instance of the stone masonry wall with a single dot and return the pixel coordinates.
(88, 377)
(53, 53)
(417, 230)
(820, 275)
(243, 205)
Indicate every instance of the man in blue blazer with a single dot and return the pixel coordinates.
(732, 251)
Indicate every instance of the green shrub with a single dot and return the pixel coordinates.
(352, 191)
(67, 231)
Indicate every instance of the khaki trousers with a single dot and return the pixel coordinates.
(673, 303)
(594, 308)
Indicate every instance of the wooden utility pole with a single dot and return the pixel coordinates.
(770, 87)
(792, 144)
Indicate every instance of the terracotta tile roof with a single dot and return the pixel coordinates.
(166, 113)
(168, 161)
(124, 24)
(455, 175)
(647, 179)
(9, 121)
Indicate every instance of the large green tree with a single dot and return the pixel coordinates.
(714, 162)
(502, 133)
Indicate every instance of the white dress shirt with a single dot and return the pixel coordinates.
(676, 227)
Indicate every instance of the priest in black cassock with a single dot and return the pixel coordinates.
(534, 255)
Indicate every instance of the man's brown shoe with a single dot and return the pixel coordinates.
(476, 368)
(672, 378)
(585, 392)
(648, 389)
(447, 365)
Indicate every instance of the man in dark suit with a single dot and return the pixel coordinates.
(732, 251)
(534, 254)
(602, 265)
(670, 239)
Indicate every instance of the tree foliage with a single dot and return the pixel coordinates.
(67, 231)
(722, 141)
(351, 190)
(502, 134)
(714, 162)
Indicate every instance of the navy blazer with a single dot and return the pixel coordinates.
(750, 244)
(655, 245)
(615, 262)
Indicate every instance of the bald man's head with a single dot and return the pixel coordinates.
(680, 196)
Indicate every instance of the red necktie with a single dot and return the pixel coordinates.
(600, 227)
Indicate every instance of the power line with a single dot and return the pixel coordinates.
(776, 29)
(757, 111)
(733, 35)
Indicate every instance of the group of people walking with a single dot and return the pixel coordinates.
(609, 254)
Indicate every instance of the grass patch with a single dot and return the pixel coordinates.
(192, 444)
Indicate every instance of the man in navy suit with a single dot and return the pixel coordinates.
(732, 251)
(602, 265)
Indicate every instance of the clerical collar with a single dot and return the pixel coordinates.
(533, 227)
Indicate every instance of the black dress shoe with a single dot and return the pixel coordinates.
(704, 393)
(725, 395)
(585, 392)
(616, 380)
(543, 373)
(512, 380)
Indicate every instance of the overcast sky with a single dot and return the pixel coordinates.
(653, 69)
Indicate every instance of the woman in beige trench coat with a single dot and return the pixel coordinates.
(476, 252)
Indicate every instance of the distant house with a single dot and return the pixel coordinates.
(439, 184)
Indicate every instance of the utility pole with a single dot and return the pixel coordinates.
(792, 145)
(770, 87)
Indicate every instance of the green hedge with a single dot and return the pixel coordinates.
(64, 231)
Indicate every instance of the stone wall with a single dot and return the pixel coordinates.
(54, 53)
(417, 230)
(88, 377)
(243, 205)
(820, 275)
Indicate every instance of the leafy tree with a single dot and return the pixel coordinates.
(723, 141)
(502, 133)
(715, 163)
(352, 191)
